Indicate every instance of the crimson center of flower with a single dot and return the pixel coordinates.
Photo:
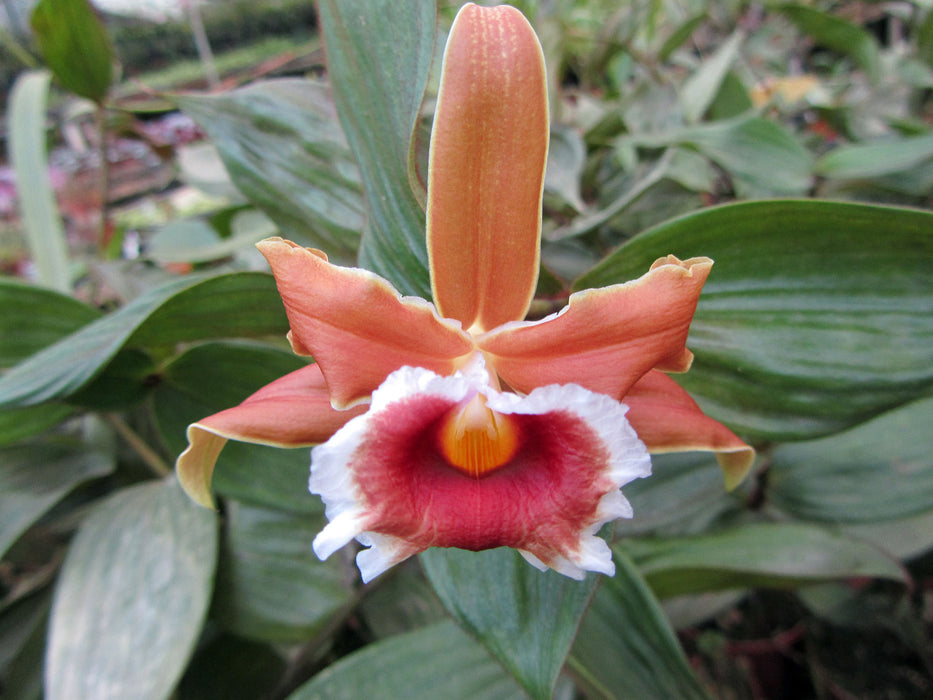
(477, 440)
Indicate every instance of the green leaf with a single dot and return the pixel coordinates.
(691, 170)
(684, 495)
(924, 39)
(626, 649)
(226, 306)
(183, 310)
(34, 317)
(41, 221)
(132, 596)
(816, 317)
(882, 470)
(270, 586)
(75, 46)
(20, 619)
(679, 36)
(438, 661)
(124, 382)
(24, 680)
(35, 476)
(641, 185)
(526, 618)
(904, 538)
(195, 240)
(732, 100)
(284, 150)
(20, 423)
(229, 667)
(837, 34)
(750, 555)
(212, 377)
(700, 89)
(401, 603)
(762, 157)
(883, 157)
(378, 85)
(566, 158)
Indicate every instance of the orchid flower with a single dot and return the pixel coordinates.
(458, 423)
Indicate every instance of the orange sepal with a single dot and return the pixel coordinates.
(293, 411)
(356, 325)
(607, 338)
(486, 174)
(667, 419)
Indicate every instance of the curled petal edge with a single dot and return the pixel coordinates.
(605, 339)
(293, 411)
(356, 324)
(667, 419)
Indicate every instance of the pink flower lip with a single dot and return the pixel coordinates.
(386, 480)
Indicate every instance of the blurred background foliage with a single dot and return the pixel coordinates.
(791, 142)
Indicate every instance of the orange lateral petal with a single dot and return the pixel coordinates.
(356, 325)
(290, 412)
(667, 419)
(486, 174)
(607, 338)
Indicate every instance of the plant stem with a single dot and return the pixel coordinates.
(104, 176)
(149, 456)
(202, 44)
(9, 42)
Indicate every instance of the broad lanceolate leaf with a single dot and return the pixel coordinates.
(226, 667)
(817, 315)
(882, 470)
(683, 496)
(698, 92)
(20, 423)
(625, 647)
(883, 157)
(526, 618)
(904, 538)
(285, 151)
(41, 221)
(132, 596)
(123, 382)
(837, 34)
(680, 35)
(197, 240)
(270, 586)
(566, 158)
(378, 85)
(183, 310)
(33, 317)
(75, 46)
(34, 476)
(438, 661)
(759, 554)
(402, 602)
(762, 158)
(22, 645)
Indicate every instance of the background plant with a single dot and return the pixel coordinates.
(805, 123)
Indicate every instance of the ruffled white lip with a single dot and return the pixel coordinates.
(333, 479)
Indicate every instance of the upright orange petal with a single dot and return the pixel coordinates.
(356, 325)
(667, 419)
(607, 338)
(486, 174)
(293, 411)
